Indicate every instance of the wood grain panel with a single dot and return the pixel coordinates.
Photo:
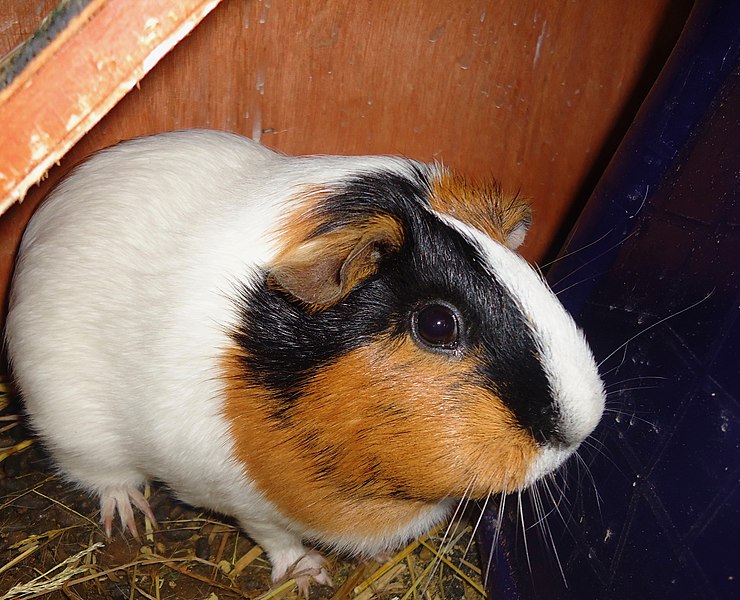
(19, 19)
(524, 90)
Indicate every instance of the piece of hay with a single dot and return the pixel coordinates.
(46, 582)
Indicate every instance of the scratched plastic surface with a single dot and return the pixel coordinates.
(655, 258)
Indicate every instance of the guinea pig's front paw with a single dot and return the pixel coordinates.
(311, 566)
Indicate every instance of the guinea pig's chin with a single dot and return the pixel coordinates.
(549, 459)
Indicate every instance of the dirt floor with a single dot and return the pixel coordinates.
(52, 546)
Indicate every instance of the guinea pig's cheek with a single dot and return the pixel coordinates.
(496, 447)
(400, 401)
(438, 432)
(374, 438)
(341, 458)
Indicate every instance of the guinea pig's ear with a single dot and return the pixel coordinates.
(517, 219)
(482, 204)
(324, 269)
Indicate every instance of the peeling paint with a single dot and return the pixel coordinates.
(73, 121)
(105, 63)
(150, 31)
(39, 145)
(84, 110)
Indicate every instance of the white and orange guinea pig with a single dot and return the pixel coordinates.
(333, 350)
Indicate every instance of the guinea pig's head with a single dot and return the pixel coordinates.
(398, 347)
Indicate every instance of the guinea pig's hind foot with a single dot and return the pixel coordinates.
(311, 567)
(121, 499)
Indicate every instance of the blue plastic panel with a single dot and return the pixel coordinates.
(654, 510)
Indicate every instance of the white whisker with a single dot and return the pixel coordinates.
(496, 534)
(631, 379)
(556, 502)
(569, 254)
(579, 282)
(477, 525)
(447, 541)
(615, 368)
(597, 496)
(524, 529)
(663, 320)
(539, 508)
(598, 256)
(638, 387)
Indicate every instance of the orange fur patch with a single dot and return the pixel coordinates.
(376, 437)
(480, 204)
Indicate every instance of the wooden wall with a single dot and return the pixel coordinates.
(19, 19)
(528, 91)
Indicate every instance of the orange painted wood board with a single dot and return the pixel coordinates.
(73, 82)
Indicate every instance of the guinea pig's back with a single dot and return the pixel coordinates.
(115, 310)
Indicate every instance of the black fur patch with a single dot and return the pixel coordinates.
(285, 345)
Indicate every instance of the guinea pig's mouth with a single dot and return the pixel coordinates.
(550, 458)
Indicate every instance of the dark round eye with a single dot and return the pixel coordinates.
(436, 325)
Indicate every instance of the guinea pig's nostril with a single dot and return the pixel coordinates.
(543, 422)
(559, 439)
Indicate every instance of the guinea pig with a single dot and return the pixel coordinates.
(333, 350)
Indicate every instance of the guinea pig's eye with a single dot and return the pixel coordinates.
(436, 325)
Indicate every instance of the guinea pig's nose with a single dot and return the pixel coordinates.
(541, 419)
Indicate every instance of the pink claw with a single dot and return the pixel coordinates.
(121, 500)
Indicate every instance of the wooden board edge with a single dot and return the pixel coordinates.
(78, 78)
